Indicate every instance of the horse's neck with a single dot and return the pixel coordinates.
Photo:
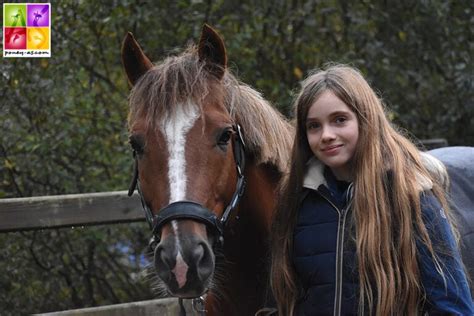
(246, 246)
(259, 200)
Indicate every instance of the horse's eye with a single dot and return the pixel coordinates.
(138, 144)
(224, 138)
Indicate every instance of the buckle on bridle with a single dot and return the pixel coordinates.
(199, 305)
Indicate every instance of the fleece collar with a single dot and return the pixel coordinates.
(315, 176)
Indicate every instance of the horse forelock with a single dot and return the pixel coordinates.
(178, 81)
(183, 81)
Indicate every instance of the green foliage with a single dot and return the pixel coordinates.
(63, 119)
(72, 268)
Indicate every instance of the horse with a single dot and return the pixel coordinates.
(209, 153)
(458, 175)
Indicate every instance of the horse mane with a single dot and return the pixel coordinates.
(177, 80)
(268, 135)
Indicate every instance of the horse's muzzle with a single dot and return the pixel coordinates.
(185, 263)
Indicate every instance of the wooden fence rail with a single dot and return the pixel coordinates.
(46, 212)
(158, 307)
(69, 210)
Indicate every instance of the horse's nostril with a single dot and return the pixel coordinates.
(198, 253)
(204, 262)
(164, 262)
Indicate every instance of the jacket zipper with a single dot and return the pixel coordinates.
(340, 249)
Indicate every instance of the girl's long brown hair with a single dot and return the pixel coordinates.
(386, 213)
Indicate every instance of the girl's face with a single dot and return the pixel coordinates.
(333, 130)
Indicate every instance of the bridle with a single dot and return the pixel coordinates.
(192, 210)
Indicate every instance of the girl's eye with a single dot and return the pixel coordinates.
(340, 119)
(312, 125)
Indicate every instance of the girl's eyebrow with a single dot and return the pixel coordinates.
(337, 113)
(340, 112)
(332, 114)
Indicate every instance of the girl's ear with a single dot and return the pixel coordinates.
(135, 62)
(212, 51)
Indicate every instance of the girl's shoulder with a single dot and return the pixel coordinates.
(431, 208)
(437, 223)
(447, 292)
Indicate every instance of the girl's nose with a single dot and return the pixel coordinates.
(327, 134)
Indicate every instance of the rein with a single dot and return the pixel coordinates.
(194, 211)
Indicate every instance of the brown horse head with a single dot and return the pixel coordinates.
(182, 134)
(184, 120)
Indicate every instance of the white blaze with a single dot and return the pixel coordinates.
(175, 130)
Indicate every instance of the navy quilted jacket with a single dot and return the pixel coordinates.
(324, 253)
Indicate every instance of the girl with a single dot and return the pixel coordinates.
(361, 227)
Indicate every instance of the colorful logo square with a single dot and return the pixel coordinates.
(38, 38)
(15, 38)
(27, 30)
(38, 14)
(14, 15)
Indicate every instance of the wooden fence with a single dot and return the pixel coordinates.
(69, 210)
(46, 212)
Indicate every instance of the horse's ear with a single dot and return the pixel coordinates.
(134, 60)
(212, 51)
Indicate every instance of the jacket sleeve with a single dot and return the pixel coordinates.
(449, 294)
